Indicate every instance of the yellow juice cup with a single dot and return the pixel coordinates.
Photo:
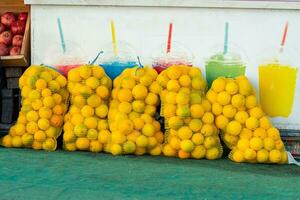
(277, 83)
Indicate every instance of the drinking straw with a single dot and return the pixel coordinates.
(226, 38)
(169, 37)
(140, 64)
(113, 37)
(95, 59)
(284, 36)
(61, 34)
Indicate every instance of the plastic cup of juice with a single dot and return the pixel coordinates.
(115, 67)
(228, 65)
(179, 55)
(160, 64)
(277, 84)
(278, 81)
(115, 64)
(64, 62)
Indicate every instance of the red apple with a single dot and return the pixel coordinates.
(22, 16)
(6, 38)
(8, 18)
(17, 40)
(15, 51)
(18, 27)
(2, 27)
(3, 50)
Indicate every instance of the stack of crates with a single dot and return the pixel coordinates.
(291, 139)
(10, 97)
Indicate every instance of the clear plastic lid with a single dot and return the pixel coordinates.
(179, 55)
(126, 54)
(286, 56)
(235, 55)
(74, 55)
(228, 58)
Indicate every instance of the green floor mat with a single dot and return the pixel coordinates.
(60, 175)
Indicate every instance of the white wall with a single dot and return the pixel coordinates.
(256, 32)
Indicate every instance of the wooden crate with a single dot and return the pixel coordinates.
(22, 60)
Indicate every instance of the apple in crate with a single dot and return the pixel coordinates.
(6, 38)
(2, 27)
(18, 27)
(3, 50)
(8, 18)
(23, 16)
(17, 40)
(15, 51)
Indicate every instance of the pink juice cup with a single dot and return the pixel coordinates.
(63, 62)
(178, 56)
(161, 64)
(64, 69)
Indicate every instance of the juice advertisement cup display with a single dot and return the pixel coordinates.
(277, 84)
(228, 65)
(114, 64)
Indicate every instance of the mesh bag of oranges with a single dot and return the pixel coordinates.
(135, 98)
(86, 126)
(44, 103)
(189, 123)
(246, 130)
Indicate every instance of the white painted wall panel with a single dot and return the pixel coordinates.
(145, 28)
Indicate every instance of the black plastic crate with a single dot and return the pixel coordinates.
(7, 93)
(7, 106)
(12, 83)
(17, 102)
(289, 133)
(4, 128)
(2, 78)
(18, 98)
(11, 102)
(13, 72)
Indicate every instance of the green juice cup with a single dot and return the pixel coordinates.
(228, 65)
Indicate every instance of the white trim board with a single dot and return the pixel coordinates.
(260, 4)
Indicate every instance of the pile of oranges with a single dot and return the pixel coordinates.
(245, 127)
(135, 98)
(44, 103)
(119, 117)
(86, 126)
(190, 129)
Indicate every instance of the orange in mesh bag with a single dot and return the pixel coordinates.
(189, 123)
(245, 127)
(44, 103)
(86, 126)
(135, 98)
